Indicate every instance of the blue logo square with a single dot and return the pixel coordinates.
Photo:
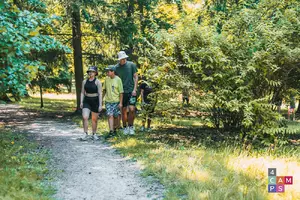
(272, 188)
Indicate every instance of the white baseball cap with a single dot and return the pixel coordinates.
(122, 55)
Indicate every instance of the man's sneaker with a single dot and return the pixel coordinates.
(142, 129)
(85, 137)
(131, 130)
(126, 130)
(95, 137)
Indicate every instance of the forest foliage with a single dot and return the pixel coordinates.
(242, 55)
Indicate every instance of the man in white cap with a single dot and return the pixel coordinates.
(127, 71)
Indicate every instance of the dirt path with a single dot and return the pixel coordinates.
(90, 170)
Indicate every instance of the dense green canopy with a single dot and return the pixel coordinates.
(243, 55)
(21, 43)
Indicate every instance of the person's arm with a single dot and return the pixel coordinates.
(99, 94)
(103, 94)
(82, 94)
(135, 77)
(121, 91)
(104, 91)
(121, 100)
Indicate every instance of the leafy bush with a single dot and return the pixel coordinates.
(241, 66)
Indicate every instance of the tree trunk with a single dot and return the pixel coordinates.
(142, 18)
(70, 83)
(130, 12)
(77, 52)
(41, 95)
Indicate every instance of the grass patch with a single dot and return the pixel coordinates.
(51, 106)
(194, 162)
(199, 172)
(22, 168)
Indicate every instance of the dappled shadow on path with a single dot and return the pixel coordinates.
(12, 114)
(190, 136)
(16, 115)
(82, 169)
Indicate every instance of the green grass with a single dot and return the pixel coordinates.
(193, 165)
(22, 168)
(194, 162)
(200, 172)
(57, 106)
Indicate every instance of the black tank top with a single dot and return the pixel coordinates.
(90, 86)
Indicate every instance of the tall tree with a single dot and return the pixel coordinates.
(77, 51)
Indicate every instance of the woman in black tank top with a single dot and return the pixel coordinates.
(91, 101)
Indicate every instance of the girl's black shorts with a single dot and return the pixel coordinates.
(91, 103)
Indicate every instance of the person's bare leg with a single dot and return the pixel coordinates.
(85, 119)
(131, 115)
(124, 116)
(116, 122)
(94, 122)
(111, 123)
(119, 120)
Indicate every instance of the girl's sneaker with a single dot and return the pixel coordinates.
(131, 130)
(126, 130)
(95, 137)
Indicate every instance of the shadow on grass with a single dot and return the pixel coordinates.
(190, 136)
(53, 108)
(189, 173)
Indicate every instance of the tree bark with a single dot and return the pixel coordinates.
(142, 18)
(69, 86)
(41, 95)
(130, 12)
(77, 52)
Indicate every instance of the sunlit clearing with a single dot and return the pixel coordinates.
(56, 96)
(257, 168)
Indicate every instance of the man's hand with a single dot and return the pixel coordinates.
(81, 105)
(133, 93)
(120, 106)
(100, 108)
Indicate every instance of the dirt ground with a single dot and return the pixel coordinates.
(89, 170)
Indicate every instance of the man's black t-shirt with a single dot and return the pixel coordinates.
(148, 89)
